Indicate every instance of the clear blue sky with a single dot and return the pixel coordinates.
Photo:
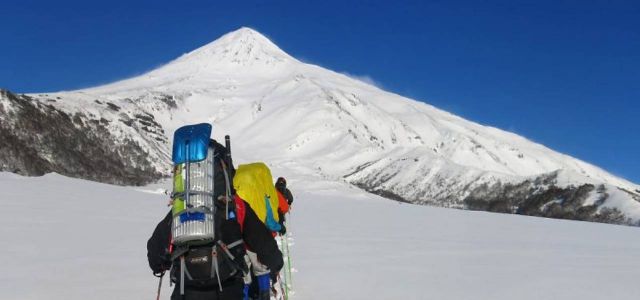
(562, 73)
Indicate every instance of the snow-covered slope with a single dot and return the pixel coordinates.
(71, 239)
(285, 112)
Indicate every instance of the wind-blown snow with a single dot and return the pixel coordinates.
(72, 239)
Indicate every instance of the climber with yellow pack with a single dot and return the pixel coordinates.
(253, 183)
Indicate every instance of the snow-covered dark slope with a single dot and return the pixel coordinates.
(36, 138)
(319, 122)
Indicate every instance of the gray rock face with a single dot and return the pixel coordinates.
(37, 138)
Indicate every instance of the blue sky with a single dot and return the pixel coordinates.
(562, 73)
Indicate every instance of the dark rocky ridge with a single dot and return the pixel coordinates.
(37, 138)
(538, 197)
(541, 198)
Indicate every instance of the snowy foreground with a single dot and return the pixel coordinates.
(72, 239)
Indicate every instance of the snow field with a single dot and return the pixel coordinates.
(66, 238)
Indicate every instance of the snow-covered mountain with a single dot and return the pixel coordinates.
(308, 119)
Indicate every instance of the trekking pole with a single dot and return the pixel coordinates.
(159, 286)
(283, 287)
(282, 282)
(288, 271)
(289, 264)
(286, 281)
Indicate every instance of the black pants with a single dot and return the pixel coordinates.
(232, 290)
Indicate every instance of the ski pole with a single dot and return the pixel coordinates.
(283, 288)
(288, 271)
(289, 264)
(159, 286)
(282, 281)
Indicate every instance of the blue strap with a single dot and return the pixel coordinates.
(194, 216)
(264, 283)
(245, 292)
(271, 221)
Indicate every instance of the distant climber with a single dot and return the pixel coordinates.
(285, 199)
(281, 186)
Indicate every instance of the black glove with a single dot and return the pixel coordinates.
(160, 264)
(283, 230)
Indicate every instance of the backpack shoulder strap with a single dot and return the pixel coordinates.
(241, 210)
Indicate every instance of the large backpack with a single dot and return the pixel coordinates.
(207, 247)
(253, 183)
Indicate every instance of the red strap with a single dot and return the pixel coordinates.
(241, 210)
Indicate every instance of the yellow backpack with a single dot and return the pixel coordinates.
(253, 183)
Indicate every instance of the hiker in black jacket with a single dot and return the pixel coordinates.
(237, 228)
(255, 235)
(281, 186)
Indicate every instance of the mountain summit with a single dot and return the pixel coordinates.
(243, 47)
(240, 53)
(306, 120)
